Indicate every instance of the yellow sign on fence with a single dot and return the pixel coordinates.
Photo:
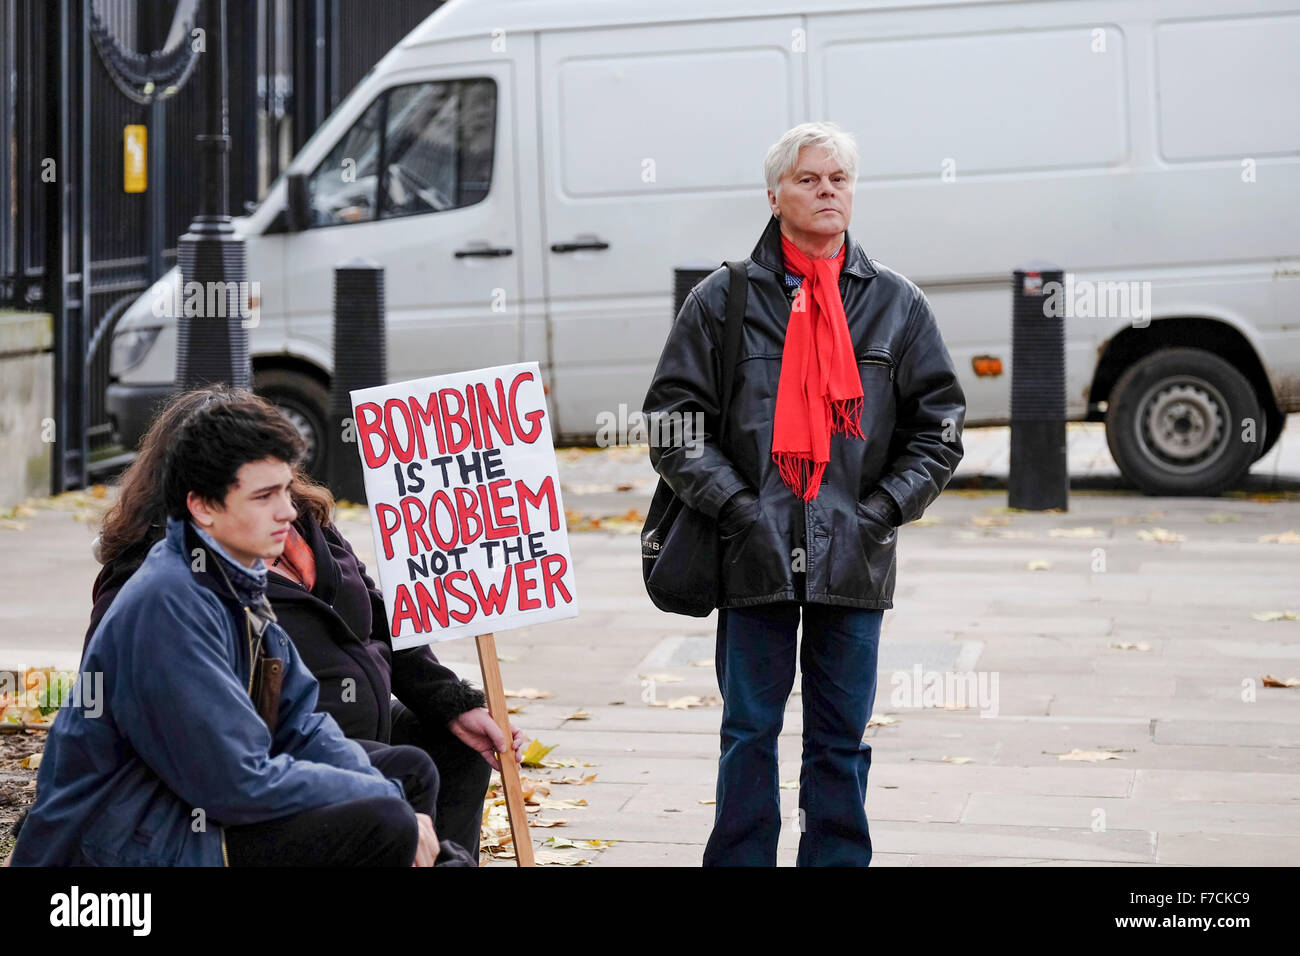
(133, 159)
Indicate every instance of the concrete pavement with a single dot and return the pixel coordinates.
(1123, 628)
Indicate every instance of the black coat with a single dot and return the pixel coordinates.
(913, 412)
(341, 631)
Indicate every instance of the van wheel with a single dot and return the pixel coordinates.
(304, 401)
(1174, 423)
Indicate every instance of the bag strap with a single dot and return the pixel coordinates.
(737, 294)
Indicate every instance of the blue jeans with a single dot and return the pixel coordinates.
(755, 661)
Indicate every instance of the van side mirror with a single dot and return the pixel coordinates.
(297, 202)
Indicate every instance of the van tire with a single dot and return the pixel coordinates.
(1174, 423)
(304, 400)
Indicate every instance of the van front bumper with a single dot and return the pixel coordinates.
(131, 409)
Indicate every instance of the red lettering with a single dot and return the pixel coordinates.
(442, 498)
(553, 568)
(404, 455)
(386, 531)
(498, 415)
(467, 512)
(524, 584)
(422, 416)
(494, 601)
(414, 523)
(544, 497)
(500, 503)
(464, 617)
(471, 415)
(494, 530)
(456, 419)
(429, 604)
(534, 418)
(367, 428)
(403, 609)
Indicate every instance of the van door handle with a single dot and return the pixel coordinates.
(576, 246)
(487, 251)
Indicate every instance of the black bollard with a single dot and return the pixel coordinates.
(212, 345)
(1039, 477)
(360, 361)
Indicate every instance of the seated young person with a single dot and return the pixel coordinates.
(334, 614)
(207, 748)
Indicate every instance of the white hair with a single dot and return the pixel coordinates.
(784, 154)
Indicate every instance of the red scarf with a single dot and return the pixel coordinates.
(819, 391)
(297, 554)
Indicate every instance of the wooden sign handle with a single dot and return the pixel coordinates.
(496, 699)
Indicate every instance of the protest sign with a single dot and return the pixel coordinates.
(465, 503)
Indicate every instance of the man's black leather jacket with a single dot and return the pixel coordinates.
(840, 547)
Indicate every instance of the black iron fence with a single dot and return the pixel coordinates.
(74, 75)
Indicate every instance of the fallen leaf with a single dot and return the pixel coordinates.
(579, 781)
(789, 784)
(1138, 519)
(1130, 646)
(566, 762)
(708, 803)
(579, 715)
(597, 844)
(1284, 537)
(514, 708)
(1088, 532)
(1092, 756)
(1274, 616)
(704, 663)
(31, 761)
(682, 703)
(507, 658)
(1160, 534)
(528, 693)
(881, 720)
(1038, 565)
(563, 804)
(544, 824)
(551, 858)
(957, 759)
(534, 753)
(1269, 681)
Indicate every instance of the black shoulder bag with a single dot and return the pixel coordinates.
(680, 550)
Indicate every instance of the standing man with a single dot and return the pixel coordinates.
(845, 423)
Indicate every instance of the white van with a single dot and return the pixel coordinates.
(530, 173)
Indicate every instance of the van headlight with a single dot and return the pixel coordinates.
(130, 346)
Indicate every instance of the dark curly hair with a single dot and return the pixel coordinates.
(138, 517)
(218, 439)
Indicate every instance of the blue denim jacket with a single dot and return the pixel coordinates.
(179, 751)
